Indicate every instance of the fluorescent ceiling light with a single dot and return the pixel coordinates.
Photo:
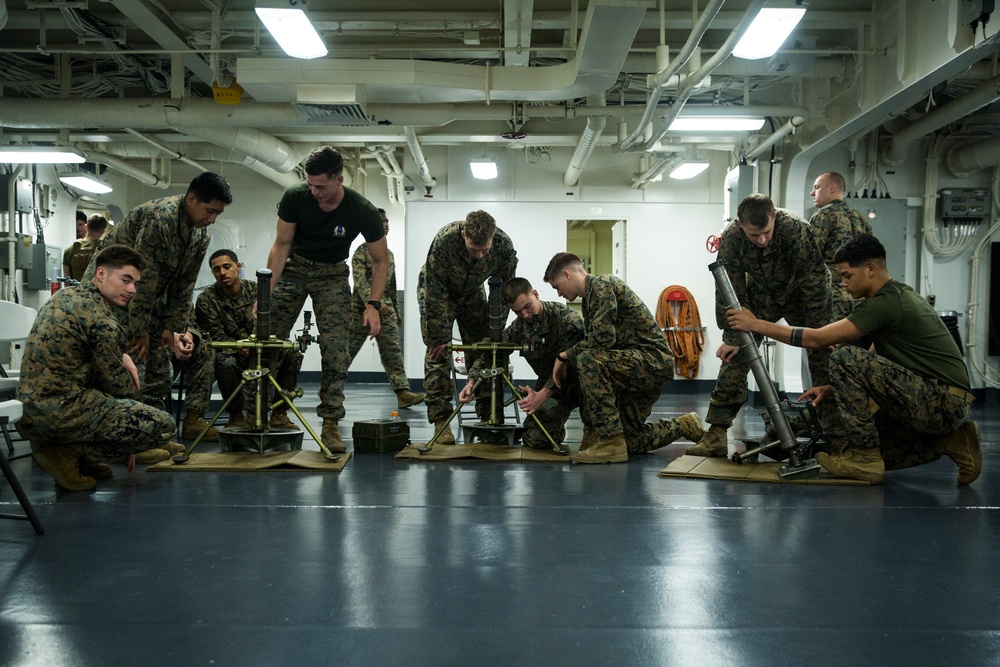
(81, 180)
(687, 170)
(292, 30)
(716, 124)
(484, 169)
(768, 32)
(40, 155)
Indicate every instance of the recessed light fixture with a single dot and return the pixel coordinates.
(716, 124)
(291, 28)
(85, 181)
(484, 169)
(768, 32)
(687, 170)
(40, 155)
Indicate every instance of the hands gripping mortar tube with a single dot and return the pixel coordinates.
(778, 419)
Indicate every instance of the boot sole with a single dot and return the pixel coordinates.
(613, 459)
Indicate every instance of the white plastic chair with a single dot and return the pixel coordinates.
(15, 325)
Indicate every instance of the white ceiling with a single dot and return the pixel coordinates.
(107, 74)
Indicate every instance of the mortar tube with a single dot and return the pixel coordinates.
(263, 304)
(760, 374)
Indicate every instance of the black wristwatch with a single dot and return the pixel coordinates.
(377, 305)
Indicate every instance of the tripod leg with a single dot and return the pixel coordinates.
(430, 444)
(327, 454)
(559, 448)
(225, 405)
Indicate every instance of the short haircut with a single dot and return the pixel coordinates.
(382, 211)
(560, 261)
(836, 180)
(479, 227)
(118, 257)
(97, 223)
(209, 186)
(859, 250)
(514, 288)
(755, 210)
(81, 216)
(223, 253)
(324, 160)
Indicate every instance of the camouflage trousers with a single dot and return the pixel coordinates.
(912, 412)
(553, 415)
(229, 373)
(619, 389)
(390, 351)
(161, 368)
(472, 316)
(730, 392)
(327, 285)
(125, 427)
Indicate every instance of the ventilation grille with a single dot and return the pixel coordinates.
(340, 114)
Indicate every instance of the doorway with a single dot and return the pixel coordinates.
(599, 243)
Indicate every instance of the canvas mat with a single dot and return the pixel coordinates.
(479, 452)
(701, 467)
(296, 461)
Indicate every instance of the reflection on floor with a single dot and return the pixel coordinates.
(482, 563)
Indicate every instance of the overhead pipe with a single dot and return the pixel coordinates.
(418, 156)
(261, 146)
(895, 151)
(646, 177)
(165, 150)
(693, 82)
(963, 159)
(667, 70)
(144, 177)
(779, 134)
(208, 152)
(587, 144)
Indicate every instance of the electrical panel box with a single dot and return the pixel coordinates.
(46, 265)
(22, 194)
(965, 204)
(22, 253)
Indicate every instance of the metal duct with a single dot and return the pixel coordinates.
(777, 136)
(270, 150)
(418, 156)
(895, 151)
(963, 159)
(585, 148)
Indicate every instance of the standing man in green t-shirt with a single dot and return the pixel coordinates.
(317, 221)
(916, 377)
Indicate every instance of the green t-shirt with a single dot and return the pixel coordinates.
(327, 237)
(907, 331)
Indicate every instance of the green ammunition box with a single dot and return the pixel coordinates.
(380, 435)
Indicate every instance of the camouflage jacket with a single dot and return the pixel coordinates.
(451, 274)
(174, 253)
(788, 273)
(72, 368)
(225, 319)
(361, 274)
(557, 329)
(617, 319)
(834, 225)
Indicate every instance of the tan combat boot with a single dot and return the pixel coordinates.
(962, 447)
(590, 438)
(236, 420)
(95, 469)
(63, 463)
(195, 424)
(331, 436)
(691, 427)
(715, 442)
(862, 464)
(279, 419)
(174, 448)
(608, 449)
(151, 456)
(444, 434)
(405, 398)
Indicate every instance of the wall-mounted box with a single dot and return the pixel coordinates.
(22, 253)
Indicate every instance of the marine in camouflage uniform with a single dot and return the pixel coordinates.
(171, 234)
(784, 279)
(74, 385)
(226, 319)
(623, 363)
(450, 289)
(556, 328)
(917, 381)
(198, 377)
(833, 224)
(389, 342)
(317, 222)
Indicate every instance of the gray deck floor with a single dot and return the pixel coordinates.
(392, 563)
